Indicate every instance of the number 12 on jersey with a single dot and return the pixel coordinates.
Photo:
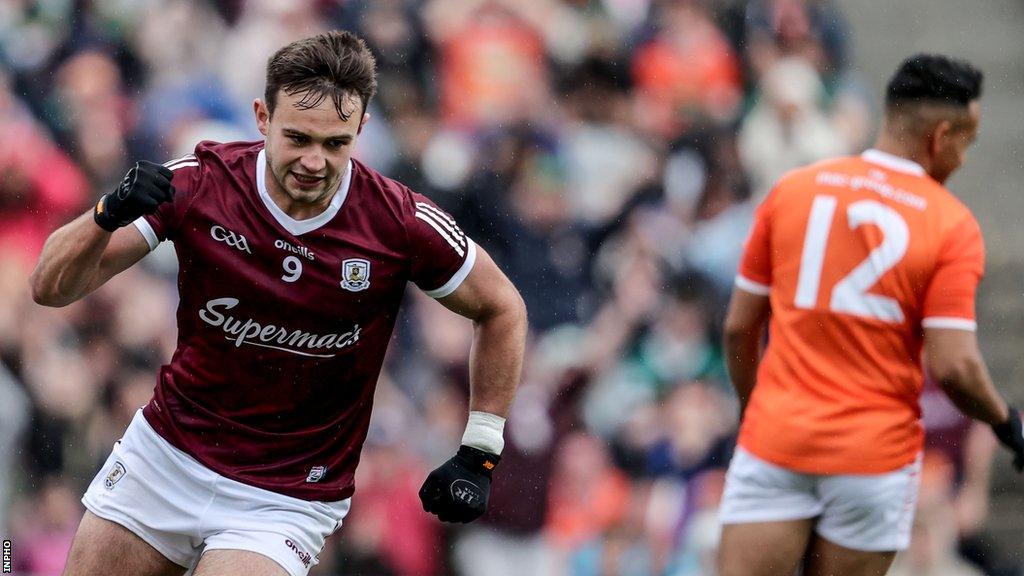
(850, 295)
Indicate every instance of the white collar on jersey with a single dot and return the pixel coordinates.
(893, 162)
(299, 227)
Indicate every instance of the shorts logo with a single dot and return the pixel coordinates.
(304, 556)
(467, 492)
(316, 473)
(221, 234)
(114, 476)
(355, 274)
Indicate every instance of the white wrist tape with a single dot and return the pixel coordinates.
(484, 432)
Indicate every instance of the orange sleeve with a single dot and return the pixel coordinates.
(949, 300)
(755, 273)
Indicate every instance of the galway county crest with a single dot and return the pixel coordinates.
(114, 476)
(355, 274)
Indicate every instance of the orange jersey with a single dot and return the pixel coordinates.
(857, 255)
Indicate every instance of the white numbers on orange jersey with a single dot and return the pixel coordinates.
(850, 295)
(292, 267)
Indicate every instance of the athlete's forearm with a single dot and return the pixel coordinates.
(496, 360)
(69, 263)
(967, 383)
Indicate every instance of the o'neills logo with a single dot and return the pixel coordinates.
(304, 556)
(248, 331)
(301, 250)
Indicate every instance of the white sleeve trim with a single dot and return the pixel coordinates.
(949, 322)
(147, 232)
(749, 285)
(460, 275)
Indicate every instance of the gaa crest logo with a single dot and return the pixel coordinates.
(114, 476)
(355, 274)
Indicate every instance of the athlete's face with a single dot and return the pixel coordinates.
(307, 150)
(950, 143)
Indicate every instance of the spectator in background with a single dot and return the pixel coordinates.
(588, 494)
(14, 416)
(697, 538)
(43, 529)
(812, 30)
(607, 162)
(519, 207)
(622, 547)
(788, 127)
(686, 72)
(97, 114)
(388, 525)
(40, 187)
(493, 64)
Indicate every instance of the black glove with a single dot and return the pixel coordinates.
(1009, 433)
(144, 187)
(459, 489)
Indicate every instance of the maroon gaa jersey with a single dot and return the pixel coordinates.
(283, 323)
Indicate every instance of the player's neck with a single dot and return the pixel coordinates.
(896, 147)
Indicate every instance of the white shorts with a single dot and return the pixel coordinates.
(868, 512)
(182, 508)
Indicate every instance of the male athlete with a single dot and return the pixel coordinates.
(293, 261)
(862, 262)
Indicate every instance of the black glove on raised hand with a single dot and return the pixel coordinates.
(144, 187)
(1009, 433)
(458, 490)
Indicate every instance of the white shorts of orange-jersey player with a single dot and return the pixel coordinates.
(870, 512)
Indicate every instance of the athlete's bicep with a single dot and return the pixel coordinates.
(486, 291)
(747, 313)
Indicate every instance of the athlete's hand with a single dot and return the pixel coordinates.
(1009, 433)
(145, 187)
(458, 491)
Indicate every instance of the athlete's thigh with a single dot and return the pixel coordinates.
(237, 563)
(104, 547)
(763, 548)
(825, 558)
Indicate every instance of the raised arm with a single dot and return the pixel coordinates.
(80, 257)
(83, 254)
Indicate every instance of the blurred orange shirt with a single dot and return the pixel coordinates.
(493, 72)
(857, 255)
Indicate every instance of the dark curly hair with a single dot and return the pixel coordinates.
(934, 79)
(336, 64)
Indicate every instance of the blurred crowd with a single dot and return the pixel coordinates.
(607, 153)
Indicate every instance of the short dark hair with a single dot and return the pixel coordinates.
(336, 64)
(934, 79)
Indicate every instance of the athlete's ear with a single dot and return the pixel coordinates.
(262, 114)
(939, 138)
(366, 118)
